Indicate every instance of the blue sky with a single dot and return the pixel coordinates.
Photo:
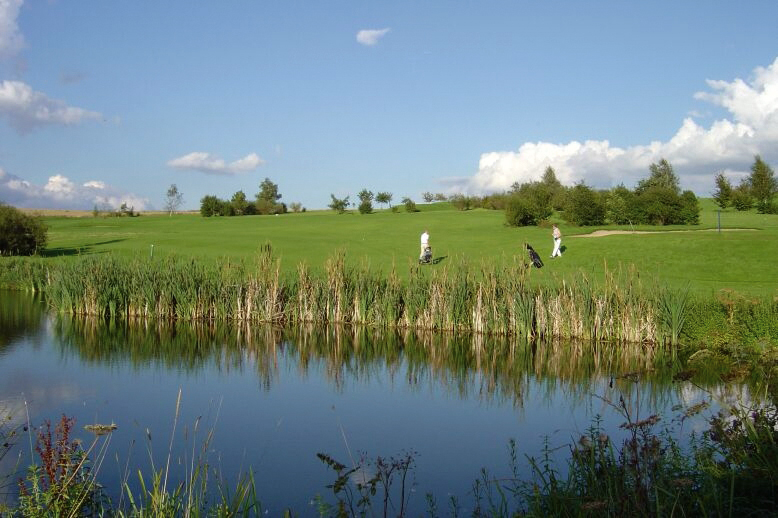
(104, 102)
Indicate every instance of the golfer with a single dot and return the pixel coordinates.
(425, 243)
(557, 235)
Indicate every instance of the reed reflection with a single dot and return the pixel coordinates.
(489, 368)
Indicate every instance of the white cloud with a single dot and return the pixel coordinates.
(207, 163)
(11, 40)
(27, 109)
(370, 37)
(62, 193)
(697, 153)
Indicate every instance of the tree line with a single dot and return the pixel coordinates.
(656, 200)
(758, 188)
(266, 201)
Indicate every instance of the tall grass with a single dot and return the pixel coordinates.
(453, 297)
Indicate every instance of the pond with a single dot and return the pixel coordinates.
(269, 400)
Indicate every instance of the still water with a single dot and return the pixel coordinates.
(273, 399)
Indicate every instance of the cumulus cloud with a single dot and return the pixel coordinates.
(27, 109)
(11, 40)
(370, 37)
(60, 192)
(210, 164)
(697, 153)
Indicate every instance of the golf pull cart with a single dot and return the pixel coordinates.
(534, 257)
(426, 257)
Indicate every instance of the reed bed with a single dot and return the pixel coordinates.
(455, 297)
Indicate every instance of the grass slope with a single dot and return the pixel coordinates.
(703, 259)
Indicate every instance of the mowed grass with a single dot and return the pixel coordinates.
(742, 257)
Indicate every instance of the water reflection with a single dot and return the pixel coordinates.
(19, 313)
(470, 366)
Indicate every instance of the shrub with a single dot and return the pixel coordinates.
(537, 196)
(462, 202)
(690, 209)
(618, 205)
(520, 213)
(584, 207)
(209, 206)
(20, 234)
(741, 199)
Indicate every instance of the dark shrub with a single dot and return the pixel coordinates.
(20, 234)
(520, 213)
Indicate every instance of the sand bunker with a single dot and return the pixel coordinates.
(603, 233)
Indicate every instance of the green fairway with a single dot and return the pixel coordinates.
(742, 257)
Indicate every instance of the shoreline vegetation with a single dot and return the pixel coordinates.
(455, 297)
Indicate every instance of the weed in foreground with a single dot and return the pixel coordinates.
(64, 484)
(355, 488)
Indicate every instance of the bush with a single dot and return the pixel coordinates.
(537, 196)
(690, 208)
(741, 199)
(20, 234)
(619, 204)
(584, 207)
(520, 213)
(209, 206)
(462, 202)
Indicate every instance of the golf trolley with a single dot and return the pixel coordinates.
(534, 257)
(426, 257)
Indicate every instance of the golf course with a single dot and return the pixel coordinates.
(712, 282)
(740, 257)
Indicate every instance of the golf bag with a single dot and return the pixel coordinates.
(534, 257)
(426, 257)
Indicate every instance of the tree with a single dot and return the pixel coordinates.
(410, 205)
(365, 201)
(741, 196)
(763, 185)
(383, 198)
(662, 175)
(267, 198)
(209, 206)
(173, 199)
(723, 193)
(239, 203)
(428, 197)
(554, 187)
(20, 234)
(439, 196)
(338, 205)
